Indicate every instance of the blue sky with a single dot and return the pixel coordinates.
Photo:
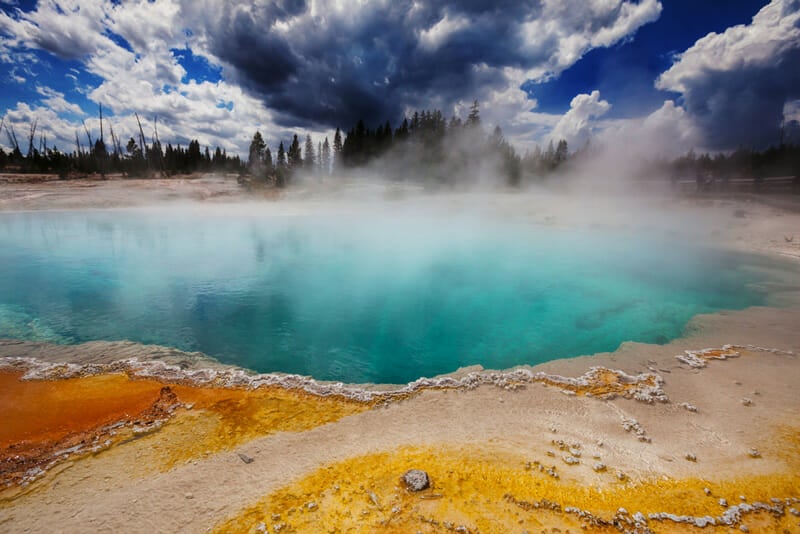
(712, 74)
(625, 74)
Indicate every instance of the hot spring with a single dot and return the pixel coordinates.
(386, 296)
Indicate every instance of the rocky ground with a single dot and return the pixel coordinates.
(37, 192)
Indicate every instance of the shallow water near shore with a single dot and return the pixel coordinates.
(351, 296)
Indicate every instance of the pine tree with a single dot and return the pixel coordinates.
(402, 133)
(132, 148)
(550, 154)
(217, 162)
(325, 158)
(497, 139)
(337, 148)
(256, 154)
(310, 157)
(386, 142)
(281, 156)
(268, 160)
(194, 156)
(561, 151)
(474, 117)
(294, 156)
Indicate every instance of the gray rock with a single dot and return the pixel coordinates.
(416, 480)
(704, 521)
(374, 499)
(246, 459)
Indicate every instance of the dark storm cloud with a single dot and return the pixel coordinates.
(367, 65)
(266, 59)
(373, 60)
(735, 84)
(744, 107)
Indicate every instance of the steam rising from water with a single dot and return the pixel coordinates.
(366, 290)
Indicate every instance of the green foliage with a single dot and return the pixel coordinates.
(741, 163)
(256, 153)
(325, 157)
(281, 156)
(427, 147)
(268, 159)
(310, 160)
(474, 117)
(293, 156)
(337, 146)
(133, 160)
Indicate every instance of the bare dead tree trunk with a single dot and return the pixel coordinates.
(101, 124)
(31, 137)
(88, 136)
(12, 137)
(142, 142)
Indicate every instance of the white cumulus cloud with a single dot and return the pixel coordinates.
(736, 83)
(577, 125)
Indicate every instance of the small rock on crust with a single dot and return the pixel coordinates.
(374, 499)
(416, 480)
(246, 459)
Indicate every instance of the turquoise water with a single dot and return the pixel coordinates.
(354, 298)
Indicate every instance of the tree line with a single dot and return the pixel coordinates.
(425, 147)
(783, 160)
(277, 169)
(430, 148)
(136, 158)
